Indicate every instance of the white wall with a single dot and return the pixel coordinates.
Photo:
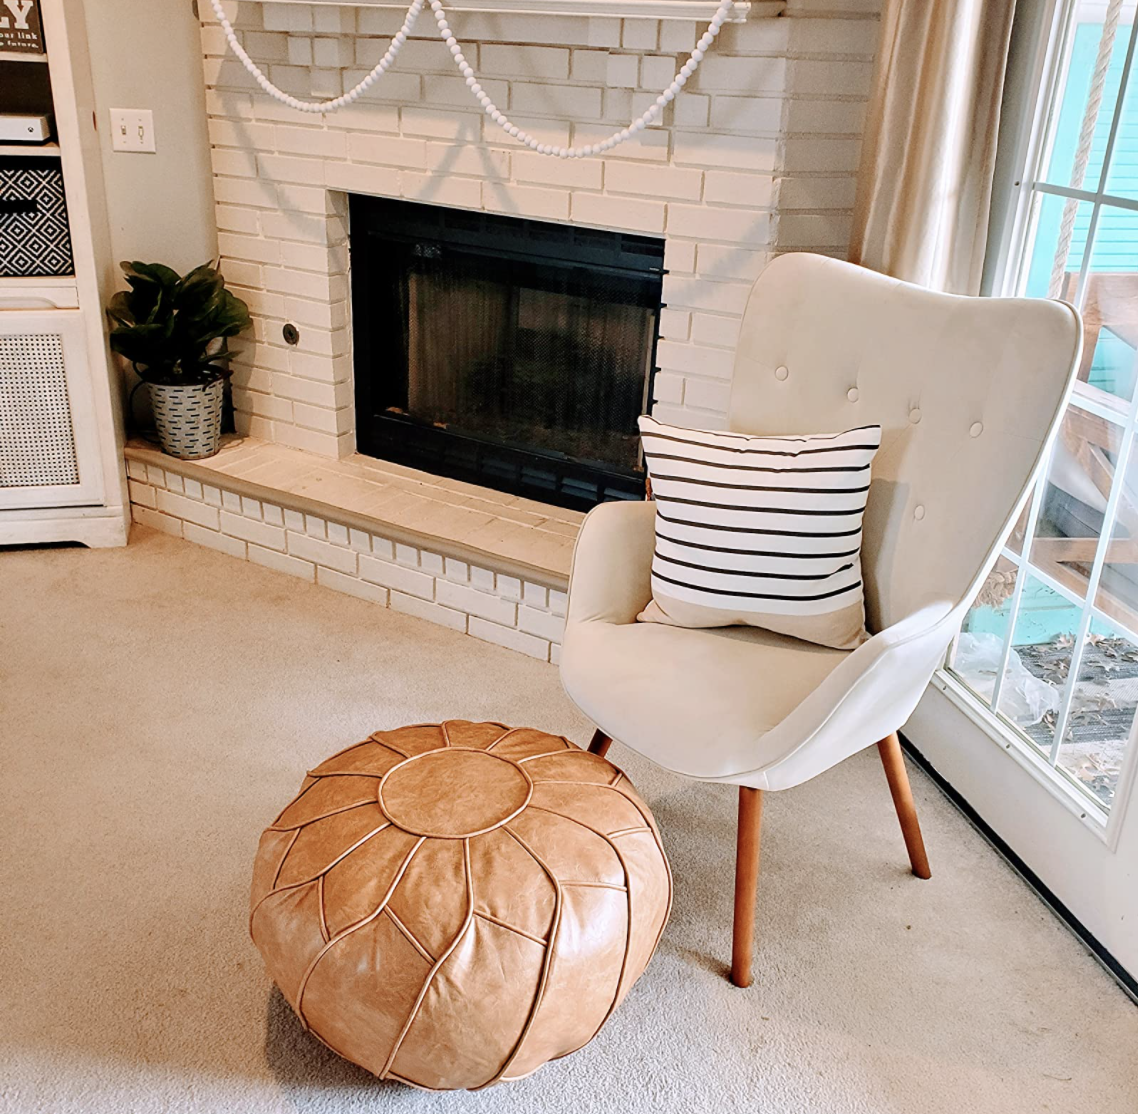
(147, 54)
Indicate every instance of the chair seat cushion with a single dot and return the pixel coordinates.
(760, 531)
(697, 702)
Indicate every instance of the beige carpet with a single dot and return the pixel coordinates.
(161, 702)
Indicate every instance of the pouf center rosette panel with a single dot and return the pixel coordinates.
(452, 905)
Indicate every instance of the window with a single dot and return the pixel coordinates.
(1050, 645)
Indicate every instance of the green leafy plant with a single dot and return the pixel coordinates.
(175, 329)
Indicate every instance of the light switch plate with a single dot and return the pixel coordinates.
(132, 129)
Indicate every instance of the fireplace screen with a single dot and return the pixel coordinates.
(512, 353)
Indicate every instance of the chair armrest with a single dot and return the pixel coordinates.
(611, 578)
(867, 697)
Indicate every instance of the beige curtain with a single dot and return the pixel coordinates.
(925, 182)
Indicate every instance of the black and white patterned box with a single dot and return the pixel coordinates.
(35, 241)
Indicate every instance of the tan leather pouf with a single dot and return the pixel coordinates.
(452, 905)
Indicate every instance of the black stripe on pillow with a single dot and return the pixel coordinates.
(760, 487)
(752, 552)
(763, 595)
(755, 572)
(763, 531)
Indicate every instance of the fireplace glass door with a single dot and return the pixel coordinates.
(511, 353)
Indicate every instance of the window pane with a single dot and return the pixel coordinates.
(1041, 656)
(1058, 241)
(1102, 712)
(1074, 501)
(1110, 304)
(980, 645)
(1087, 253)
(1086, 99)
(1122, 175)
(1117, 595)
(1019, 530)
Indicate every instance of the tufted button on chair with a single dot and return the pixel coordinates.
(761, 711)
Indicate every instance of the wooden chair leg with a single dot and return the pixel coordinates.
(600, 743)
(894, 762)
(746, 883)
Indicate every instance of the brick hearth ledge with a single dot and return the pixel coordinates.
(494, 566)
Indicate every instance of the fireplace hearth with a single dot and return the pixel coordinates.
(512, 353)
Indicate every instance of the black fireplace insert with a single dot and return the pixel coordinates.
(512, 353)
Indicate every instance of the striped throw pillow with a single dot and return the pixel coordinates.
(760, 531)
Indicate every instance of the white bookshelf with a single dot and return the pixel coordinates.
(21, 56)
(56, 360)
(30, 150)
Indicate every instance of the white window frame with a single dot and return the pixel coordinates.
(1025, 136)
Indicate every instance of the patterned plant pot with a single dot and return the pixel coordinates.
(188, 418)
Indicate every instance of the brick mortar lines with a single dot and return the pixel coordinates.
(301, 401)
(494, 607)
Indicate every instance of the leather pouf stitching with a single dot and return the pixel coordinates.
(452, 905)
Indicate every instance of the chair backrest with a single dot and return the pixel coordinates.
(968, 392)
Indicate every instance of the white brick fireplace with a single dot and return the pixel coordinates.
(755, 157)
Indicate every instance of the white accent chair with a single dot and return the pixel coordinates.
(968, 392)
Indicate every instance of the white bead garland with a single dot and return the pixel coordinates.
(479, 94)
(317, 106)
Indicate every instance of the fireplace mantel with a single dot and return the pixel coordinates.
(610, 9)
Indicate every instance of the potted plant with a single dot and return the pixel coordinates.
(174, 330)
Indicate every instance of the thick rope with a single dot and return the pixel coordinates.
(476, 90)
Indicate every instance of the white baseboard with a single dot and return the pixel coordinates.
(99, 531)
